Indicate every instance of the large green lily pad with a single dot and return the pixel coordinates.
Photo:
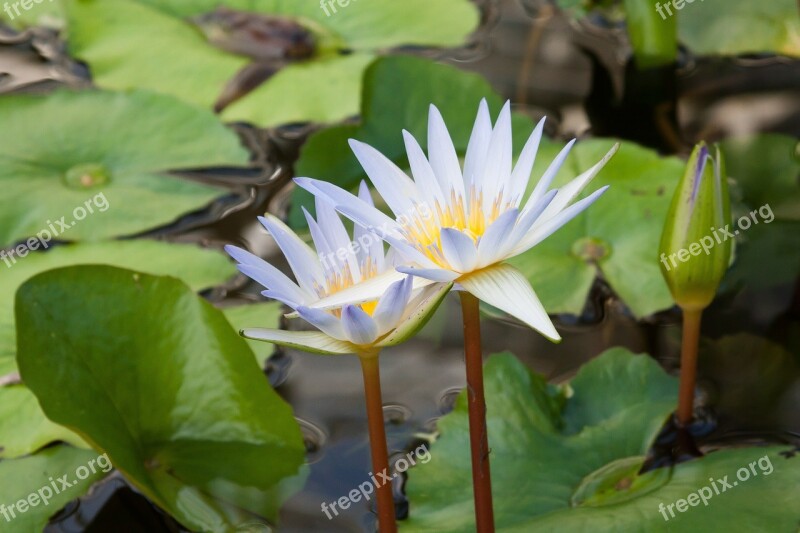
(259, 315)
(731, 27)
(198, 267)
(196, 426)
(324, 88)
(397, 93)
(22, 478)
(91, 165)
(617, 237)
(570, 463)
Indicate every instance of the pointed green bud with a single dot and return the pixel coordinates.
(696, 243)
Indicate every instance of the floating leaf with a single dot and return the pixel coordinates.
(397, 94)
(91, 165)
(31, 477)
(732, 27)
(24, 428)
(261, 315)
(618, 236)
(48, 13)
(571, 464)
(324, 88)
(196, 427)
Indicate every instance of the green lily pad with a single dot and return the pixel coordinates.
(766, 170)
(397, 93)
(618, 237)
(731, 27)
(23, 426)
(571, 464)
(49, 13)
(260, 315)
(325, 88)
(91, 165)
(196, 427)
(198, 267)
(31, 477)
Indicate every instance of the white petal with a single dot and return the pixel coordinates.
(526, 221)
(358, 325)
(396, 189)
(432, 274)
(323, 321)
(370, 246)
(366, 291)
(522, 170)
(572, 189)
(541, 231)
(504, 287)
(459, 250)
(335, 233)
(392, 305)
(494, 240)
(442, 155)
(420, 311)
(309, 341)
(424, 176)
(478, 147)
(302, 259)
(267, 275)
(496, 172)
(282, 297)
(547, 177)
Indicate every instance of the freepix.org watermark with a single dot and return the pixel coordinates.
(12, 8)
(715, 488)
(666, 9)
(54, 229)
(56, 486)
(366, 489)
(329, 6)
(717, 236)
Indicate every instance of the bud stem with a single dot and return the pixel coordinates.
(377, 440)
(691, 340)
(478, 433)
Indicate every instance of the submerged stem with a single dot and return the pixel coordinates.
(478, 434)
(689, 346)
(377, 440)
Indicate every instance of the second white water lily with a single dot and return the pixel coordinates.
(473, 218)
(386, 320)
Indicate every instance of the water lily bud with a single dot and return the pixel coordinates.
(696, 243)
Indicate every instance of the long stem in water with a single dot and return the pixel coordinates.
(377, 440)
(689, 346)
(478, 434)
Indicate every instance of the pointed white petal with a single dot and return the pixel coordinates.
(526, 221)
(267, 275)
(541, 231)
(323, 321)
(336, 235)
(366, 291)
(392, 305)
(370, 246)
(571, 190)
(478, 147)
(522, 170)
(442, 155)
(493, 242)
(547, 177)
(424, 176)
(432, 274)
(282, 297)
(359, 327)
(505, 288)
(496, 172)
(420, 311)
(309, 341)
(302, 259)
(459, 250)
(396, 189)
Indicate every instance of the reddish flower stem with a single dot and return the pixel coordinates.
(689, 346)
(478, 433)
(377, 440)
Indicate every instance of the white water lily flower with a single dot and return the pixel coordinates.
(337, 264)
(454, 225)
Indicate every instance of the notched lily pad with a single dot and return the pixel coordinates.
(197, 428)
(323, 86)
(83, 166)
(571, 463)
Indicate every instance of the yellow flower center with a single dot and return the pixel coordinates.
(338, 281)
